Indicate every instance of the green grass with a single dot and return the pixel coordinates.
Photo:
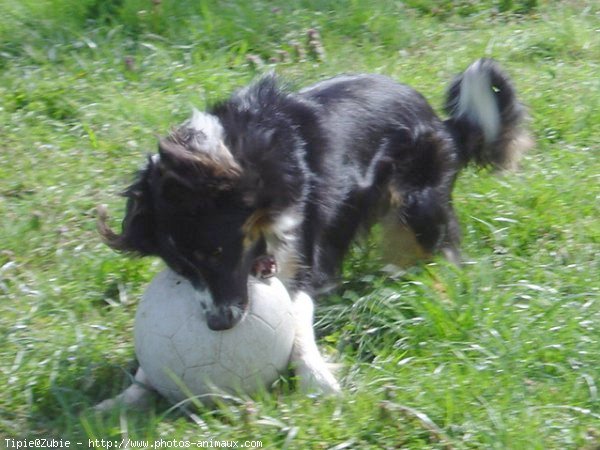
(503, 353)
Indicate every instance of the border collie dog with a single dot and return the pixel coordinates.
(273, 175)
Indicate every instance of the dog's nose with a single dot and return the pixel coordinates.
(224, 317)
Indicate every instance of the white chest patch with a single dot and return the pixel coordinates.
(282, 243)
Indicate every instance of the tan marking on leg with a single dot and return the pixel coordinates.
(399, 245)
(255, 226)
(396, 198)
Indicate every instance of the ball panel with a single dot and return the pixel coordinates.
(195, 343)
(261, 379)
(175, 347)
(255, 335)
(168, 293)
(161, 377)
(268, 299)
(212, 379)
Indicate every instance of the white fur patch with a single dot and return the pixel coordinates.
(287, 223)
(281, 243)
(210, 132)
(477, 102)
(312, 370)
(205, 123)
(204, 298)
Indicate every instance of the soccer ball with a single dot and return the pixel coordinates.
(182, 357)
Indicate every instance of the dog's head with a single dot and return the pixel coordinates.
(196, 207)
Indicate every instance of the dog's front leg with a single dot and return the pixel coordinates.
(136, 396)
(311, 369)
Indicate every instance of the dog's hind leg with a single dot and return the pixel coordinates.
(137, 396)
(312, 370)
(419, 228)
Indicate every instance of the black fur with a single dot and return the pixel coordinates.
(336, 157)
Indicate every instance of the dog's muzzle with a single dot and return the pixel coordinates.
(224, 317)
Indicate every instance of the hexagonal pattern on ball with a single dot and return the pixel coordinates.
(175, 346)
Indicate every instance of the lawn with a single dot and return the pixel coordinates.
(502, 353)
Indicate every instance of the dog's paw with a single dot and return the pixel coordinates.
(139, 399)
(107, 405)
(314, 377)
(139, 395)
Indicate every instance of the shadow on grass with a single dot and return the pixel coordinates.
(63, 407)
(64, 410)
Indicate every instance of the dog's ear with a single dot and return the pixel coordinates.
(197, 148)
(138, 234)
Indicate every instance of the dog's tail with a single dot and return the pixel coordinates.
(486, 118)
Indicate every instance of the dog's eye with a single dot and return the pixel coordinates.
(209, 255)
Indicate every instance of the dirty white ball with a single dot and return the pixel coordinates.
(182, 357)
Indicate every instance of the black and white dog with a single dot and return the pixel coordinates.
(294, 176)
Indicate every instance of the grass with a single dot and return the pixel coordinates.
(500, 354)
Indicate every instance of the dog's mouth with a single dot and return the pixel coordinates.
(264, 267)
